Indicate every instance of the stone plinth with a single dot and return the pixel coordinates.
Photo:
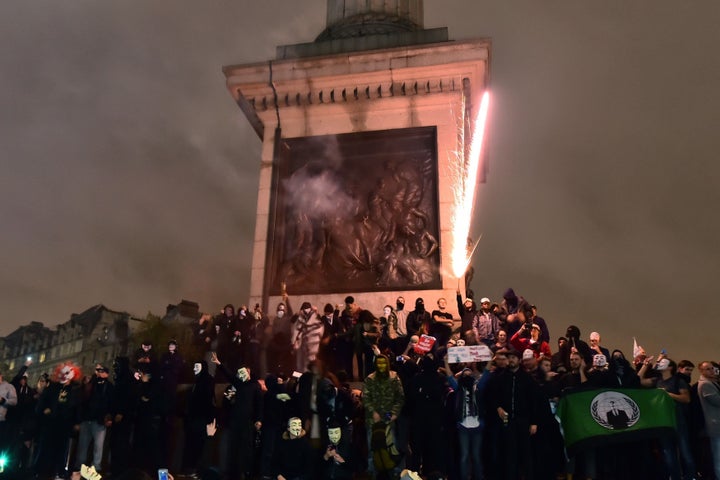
(412, 89)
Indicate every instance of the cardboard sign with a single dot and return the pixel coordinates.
(471, 353)
(425, 344)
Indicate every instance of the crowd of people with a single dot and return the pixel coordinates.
(339, 392)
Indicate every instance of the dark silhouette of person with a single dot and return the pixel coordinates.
(617, 417)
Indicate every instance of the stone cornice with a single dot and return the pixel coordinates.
(358, 77)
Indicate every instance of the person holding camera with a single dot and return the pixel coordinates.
(528, 337)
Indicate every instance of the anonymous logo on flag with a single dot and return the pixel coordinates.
(614, 411)
(594, 418)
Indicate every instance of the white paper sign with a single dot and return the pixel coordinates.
(471, 353)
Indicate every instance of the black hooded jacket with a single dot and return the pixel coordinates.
(201, 397)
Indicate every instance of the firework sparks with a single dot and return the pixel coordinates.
(465, 192)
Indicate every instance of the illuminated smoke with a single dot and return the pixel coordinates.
(466, 181)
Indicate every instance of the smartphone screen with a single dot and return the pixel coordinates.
(162, 474)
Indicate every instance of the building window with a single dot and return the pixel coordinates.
(42, 358)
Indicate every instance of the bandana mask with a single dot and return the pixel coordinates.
(197, 368)
(334, 435)
(243, 374)
(295, 427)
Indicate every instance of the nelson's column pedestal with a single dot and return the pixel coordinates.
(361, 131)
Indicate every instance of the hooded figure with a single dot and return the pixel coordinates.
(573, 341)
(337, 461)
(245, 419)
(418, 318)
(383, 398)
(467, 310)
(276, 405)
(199, 412)
(622, 371)
(426, 393)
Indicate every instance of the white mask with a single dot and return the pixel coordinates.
(334, 435)
(387, 312)
(197, 368)
(460, 342)
(295, 427)
(172, 347)
(662, 364)
(243, 374)
(66, 375)
(280, 313)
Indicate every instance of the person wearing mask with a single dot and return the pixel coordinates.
(383, 398)
(57, 420)
(419, 319)
(294, 455)
(199, 413)
(337, 458)
(467, 310)
(245, 419)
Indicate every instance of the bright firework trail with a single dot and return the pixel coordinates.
(466, 198)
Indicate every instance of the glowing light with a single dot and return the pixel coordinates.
(465, 193)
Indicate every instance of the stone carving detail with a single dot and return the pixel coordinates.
(359, 222)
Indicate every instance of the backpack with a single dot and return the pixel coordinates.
(384, 453)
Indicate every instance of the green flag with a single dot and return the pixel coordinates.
(591, 418)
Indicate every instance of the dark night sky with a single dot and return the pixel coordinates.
(129, 176)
